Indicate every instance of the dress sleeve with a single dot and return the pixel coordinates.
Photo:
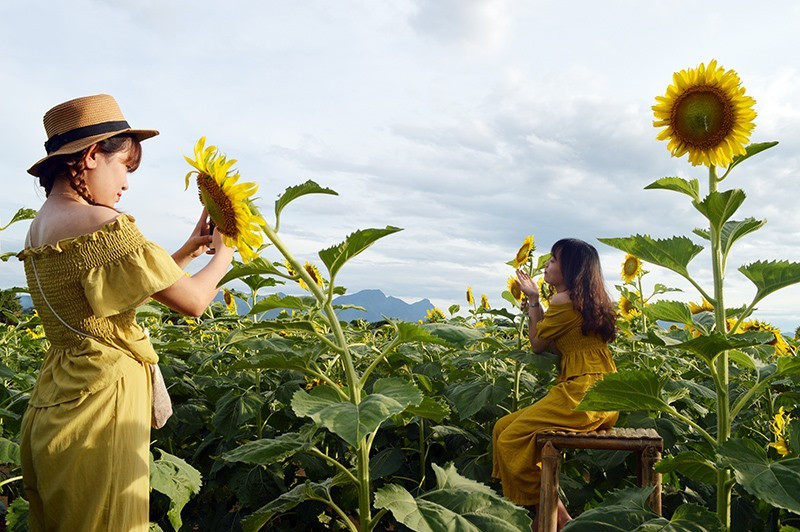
(122, 284)
(555, 322)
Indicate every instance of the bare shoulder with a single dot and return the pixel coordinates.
(560, 298)
(55, 224)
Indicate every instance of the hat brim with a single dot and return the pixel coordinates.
(82, 144)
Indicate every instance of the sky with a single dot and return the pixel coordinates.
(469, 123)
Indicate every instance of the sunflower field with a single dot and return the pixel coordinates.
(286, 418)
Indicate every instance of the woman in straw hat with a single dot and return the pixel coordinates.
(85, 434)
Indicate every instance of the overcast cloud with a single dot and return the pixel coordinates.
(469, 123)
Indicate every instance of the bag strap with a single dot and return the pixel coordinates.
(41, 292)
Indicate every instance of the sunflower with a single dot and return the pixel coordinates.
(546, 291)
(704, 306)
(229, 204)
(627, 308)
(513, 287)
(484, 301)
(470, 299)
(434, 314)
(706, 114)
(782, 347)
(777, 427)
(524, 252)
(631, 268)
(230, 302)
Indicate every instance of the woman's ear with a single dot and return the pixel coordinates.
(90, 157)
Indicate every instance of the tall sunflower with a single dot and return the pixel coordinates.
(470, 299)
(706, 114)
(312, 271)
(631, 268)
(524, 251)
(484, 301)
(627, 308)
(229, 204)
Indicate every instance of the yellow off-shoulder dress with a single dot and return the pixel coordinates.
(584, 359)
(85, 435)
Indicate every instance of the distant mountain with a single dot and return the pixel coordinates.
(379, 305)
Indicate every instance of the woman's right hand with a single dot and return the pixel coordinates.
(528, 286)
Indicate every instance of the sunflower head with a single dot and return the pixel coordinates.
(704, 306)
(230, 302)
(782, 347)
(778, 426)
(229, 204)
(470, 299)
(313, 272)
(546, 291)
(706, 114)
(434, 314)
(484, 301)
(631, 268)
(513, 287)
(524, 252)
(627, 308)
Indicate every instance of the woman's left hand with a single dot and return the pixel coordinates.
(197, 243)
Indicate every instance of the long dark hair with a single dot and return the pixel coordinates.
(580, 267)
(71, 166)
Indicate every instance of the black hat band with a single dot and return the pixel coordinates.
(55, 142)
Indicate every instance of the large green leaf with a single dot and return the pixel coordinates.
(718, 207)
(268, 451)
(457, 504)
(752, 149)
(711, 345)
(335, 257)
(234, 410)
(690, 464)
(671, 311)
(691, 188)
(454, 334)
(429, 408)
(267, 327)
(177, 480)
(352, 422)
(469, 397)
(411, 332)
(274, 301)
(672, 253)
(294, 192)
(732, 231)
(625, 391)
(771, 276)
(257, 266)
(17, 516)
(777, 483)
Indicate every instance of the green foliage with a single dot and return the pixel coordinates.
(673, 253)
(690, 187)
(177, 480)
(336, 256)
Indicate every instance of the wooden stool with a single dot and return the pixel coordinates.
(646, 442)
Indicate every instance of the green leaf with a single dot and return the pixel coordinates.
(771, 276)
(274, 301)
(429, 408)
(336, 256)
(177, 480)
(718, 207)
(267, 327)
(672, 253)
(294, 192)
(469, 397)
(234, 410)
(690, 464)
(686, 518)
(17, 516)
(777, 483)
(9, 452)
(454, 334)
(268, 451)
(411, 332)
(353, 422)
(457, 504)
(752, 149)
(736, 229)
(21, 214)
(300, 493)
(625, 391)
(672, 311)
(711, 345)
(620, 510)
(257, 266)
(690, 188)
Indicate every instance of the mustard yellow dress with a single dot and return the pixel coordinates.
(85, 435)
(584, 359)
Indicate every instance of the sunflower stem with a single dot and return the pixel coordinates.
(722, 370)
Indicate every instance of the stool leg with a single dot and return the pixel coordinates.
(548, 495)
(649, 477)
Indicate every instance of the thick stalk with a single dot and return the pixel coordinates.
(642, 302)
(723, 378)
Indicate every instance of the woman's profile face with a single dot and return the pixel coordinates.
(552, 271)
(107, 176)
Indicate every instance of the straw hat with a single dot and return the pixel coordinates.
(75, 125)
